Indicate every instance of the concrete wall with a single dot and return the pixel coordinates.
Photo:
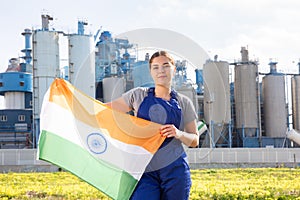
(24, 160)
(243, 157)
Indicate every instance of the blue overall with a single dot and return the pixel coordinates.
(168, 175)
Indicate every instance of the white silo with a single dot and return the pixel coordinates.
(216, 92)
(82, 62)
(246, 95)
(296, 100)
(274, 102)
(45, 62)
(217, 102)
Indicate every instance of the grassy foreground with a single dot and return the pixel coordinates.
(254, 183)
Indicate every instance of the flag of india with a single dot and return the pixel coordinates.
(107, 149)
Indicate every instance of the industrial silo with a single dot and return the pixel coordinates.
(82, 61)
(216, 91)
(296, 100)
(45, 67)
(45, 62)
(274, 102)
(246, 96)
(217, 100)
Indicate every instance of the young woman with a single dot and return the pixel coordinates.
(168, 175)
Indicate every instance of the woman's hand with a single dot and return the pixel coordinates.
(169, 130)
(188, 137)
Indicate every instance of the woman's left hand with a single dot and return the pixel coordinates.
(169, 130)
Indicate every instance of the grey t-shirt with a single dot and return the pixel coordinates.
(135, 97)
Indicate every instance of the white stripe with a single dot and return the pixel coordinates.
(61, 122)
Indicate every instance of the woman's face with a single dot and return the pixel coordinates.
(162, 71)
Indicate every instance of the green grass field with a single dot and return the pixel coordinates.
(254, 183)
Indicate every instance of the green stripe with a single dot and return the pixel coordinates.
(201, 125)
(114, 182)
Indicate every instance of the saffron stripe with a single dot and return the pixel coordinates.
(123, 127)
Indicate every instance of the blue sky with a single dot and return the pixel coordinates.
(269, 28)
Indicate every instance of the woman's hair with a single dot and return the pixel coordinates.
(161, 53)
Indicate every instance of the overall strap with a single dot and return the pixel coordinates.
(173, 94)
(151, 92)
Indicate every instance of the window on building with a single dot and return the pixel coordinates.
(3, 118)
(1, 84)
(21, 83)
(21, 118)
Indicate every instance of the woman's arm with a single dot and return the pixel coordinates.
(119, 105)
(189, 136)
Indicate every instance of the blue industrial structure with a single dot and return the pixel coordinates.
(16, 88)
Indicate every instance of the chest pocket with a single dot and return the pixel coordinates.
(159, 110)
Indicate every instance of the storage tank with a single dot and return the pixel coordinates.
(296, 100)
(274, 102)
(113, 88)
(45, 62)
(246, 96)
(216, 92)
(217, 102)
(82, 63)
